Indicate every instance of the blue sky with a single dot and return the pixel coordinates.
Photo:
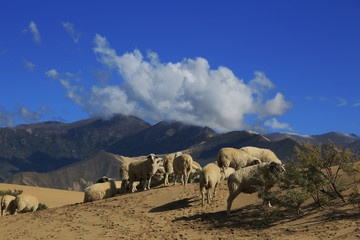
(267, 66)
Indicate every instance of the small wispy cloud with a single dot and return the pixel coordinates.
(29, 65)
(309, 98)
(275, 124)
(342, 102)
(70, 29)
(357, 104)
(52, 74)
(35, 32)
(28, 116)
(321, 98)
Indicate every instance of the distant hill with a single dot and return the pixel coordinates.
(338, 138)
(74, 155)
(75, 176)
(47, 146)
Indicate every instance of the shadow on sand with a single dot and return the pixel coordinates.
(182, 203)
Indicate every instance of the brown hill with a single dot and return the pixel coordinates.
(76, 176)
(176, 213)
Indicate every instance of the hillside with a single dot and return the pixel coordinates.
(49, 196)
(75, 176)
(176, 213)
(43, 147)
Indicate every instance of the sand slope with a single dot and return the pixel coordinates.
(49, 196)
(175, 212)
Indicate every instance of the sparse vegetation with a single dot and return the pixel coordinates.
(320, 173)
(42, 206)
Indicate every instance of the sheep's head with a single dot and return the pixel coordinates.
(277, 167)
(154, 159)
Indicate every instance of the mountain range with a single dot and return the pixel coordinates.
(73, 155)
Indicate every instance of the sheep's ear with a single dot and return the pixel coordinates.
(273, 164)
(256, 161)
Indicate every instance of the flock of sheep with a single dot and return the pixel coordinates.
(241, 167)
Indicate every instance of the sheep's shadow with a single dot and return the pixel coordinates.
(182, 203)
(246, 218)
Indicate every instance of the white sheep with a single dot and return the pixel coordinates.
(143, 171)
(100, 191)
(182, 166)
(235, 158)
(209, 180)
(246, 180)
(168, 165)
(7, 205)
(264, 154)
(226, 173)
(26, 203)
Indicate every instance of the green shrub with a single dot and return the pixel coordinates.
(42, 206)
(318, 174)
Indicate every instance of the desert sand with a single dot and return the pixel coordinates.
(172, 212)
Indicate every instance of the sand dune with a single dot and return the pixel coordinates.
(173, 212)
(50, 197)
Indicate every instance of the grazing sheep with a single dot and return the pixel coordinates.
(209, 180)
(7, 205)
(247, 179)
(168, 165)
(100, 191)
(235, 158)
(143, 171)
(264, 154)
(26, 203)
(225, 174)
(182, 166)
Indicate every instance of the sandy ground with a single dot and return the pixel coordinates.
(173, 212)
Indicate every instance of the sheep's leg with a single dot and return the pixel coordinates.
(175, 177)
(182, 178)
(149, 182)
(202, 190)
(231, 198)
(166, 181)
(132, 187)
(215, 189)
(209, 195)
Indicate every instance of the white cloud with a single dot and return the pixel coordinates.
(357, 104)
(52, 74)
(275, 107)
(188, 91)
(275, 124)
(29, 65)
(70, 29)
(35, 32)
(342, 102)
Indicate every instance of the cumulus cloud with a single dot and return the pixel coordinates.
(70, 29)
(29, 65)
(189, 91)
(35, 32)
(342, 102)
(275, 124)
